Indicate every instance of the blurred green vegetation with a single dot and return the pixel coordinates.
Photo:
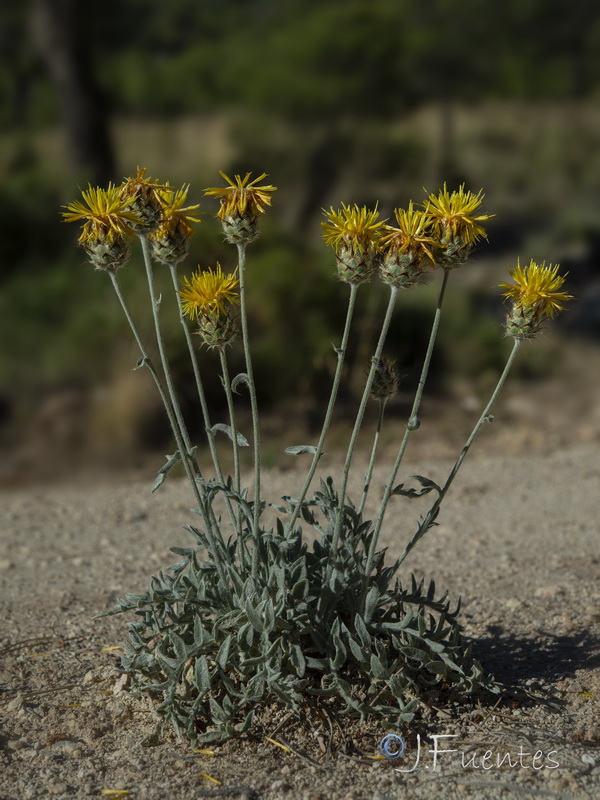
(337, 100)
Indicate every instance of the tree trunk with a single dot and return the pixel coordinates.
(62, 37)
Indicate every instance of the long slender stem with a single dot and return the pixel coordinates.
(149, 363)
(413, 423)
(485, 417)
(200, 391)
(371, 466)
(197, 377)
(192, 469)
(216, 544)
(241, 248)
(341, 353)
(361, 413)
(230, 408)
(186, 454)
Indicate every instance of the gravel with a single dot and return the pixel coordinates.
(517, 540)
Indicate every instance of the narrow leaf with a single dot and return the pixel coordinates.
(300, 449)
(427, 482)
(202, 673)
(220, 426)
(241, 378)
(222, 656)
(162, 472)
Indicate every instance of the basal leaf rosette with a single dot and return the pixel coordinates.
(170, 242)
(208, 297)
(354, 234)
(455, 224)
(408, 250)
(242, 203)
(109, 220)
(535, 296)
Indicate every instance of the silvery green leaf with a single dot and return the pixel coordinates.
(411, 493)
(254, 618)
(140, 363)
(340, 650)
(297, 659)
(428, 483)
(162, 472)
(371, 602)
(220, 426)
(241, 378)
(377, 668)
(202, 673)
(363, 633)
(222, 656)
(277, 507)
(269, 616)
(300, 449)
(200, 632)
(178, 645)
(356, 650)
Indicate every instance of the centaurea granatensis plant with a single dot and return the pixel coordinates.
(253, 613)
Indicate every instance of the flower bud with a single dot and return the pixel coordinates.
(386, 380)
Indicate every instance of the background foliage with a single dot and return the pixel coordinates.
(337, 100)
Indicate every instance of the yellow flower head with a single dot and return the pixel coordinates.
(412, 234)
(208, 293)
(104, 211)
(454, 217)
(354, 234)
(171, 240)
(242, 198)
(537, 289)
(146, 200)
(352, 228)
(173, 211)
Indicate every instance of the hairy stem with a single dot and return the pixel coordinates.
(361, 413)
(216, 543)
(230, 408)
(429, 518)
(186, 454)
(369, 473)
(200, 390)
(241, 248)
(412, 425)
(341, 353)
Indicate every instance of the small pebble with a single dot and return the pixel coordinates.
(57, 787)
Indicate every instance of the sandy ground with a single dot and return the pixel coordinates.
(518, 540)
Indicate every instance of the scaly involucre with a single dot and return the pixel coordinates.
(146, 200)
(208, 292)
